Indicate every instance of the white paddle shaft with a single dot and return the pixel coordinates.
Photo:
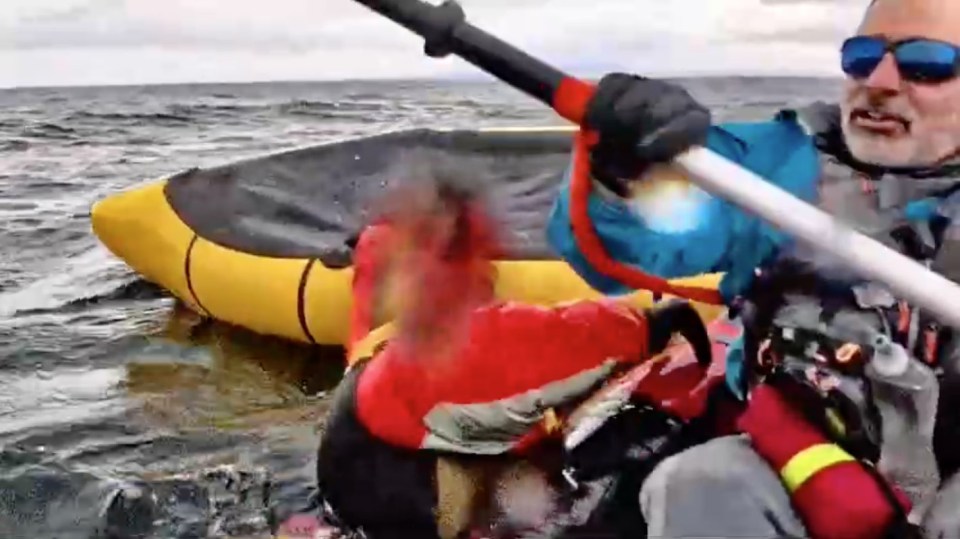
(903, 275)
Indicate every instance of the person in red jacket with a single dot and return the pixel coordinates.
(462, 374)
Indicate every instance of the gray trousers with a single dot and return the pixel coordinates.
(718, 489)
(943, 519)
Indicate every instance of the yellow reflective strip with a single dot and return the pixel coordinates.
(367, 346)
(810, 461)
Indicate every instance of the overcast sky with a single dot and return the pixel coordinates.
(62, 42)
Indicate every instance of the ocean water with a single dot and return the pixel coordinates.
(106, 385)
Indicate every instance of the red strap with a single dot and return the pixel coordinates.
(571, 99)
(593, 249)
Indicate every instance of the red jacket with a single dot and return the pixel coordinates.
(516, 363)
(510, 364)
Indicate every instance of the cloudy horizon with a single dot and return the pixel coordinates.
(105, 42)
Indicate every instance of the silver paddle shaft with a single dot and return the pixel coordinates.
(868, 257)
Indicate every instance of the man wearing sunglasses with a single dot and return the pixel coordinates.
(885, 159)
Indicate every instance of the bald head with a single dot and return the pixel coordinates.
(898, 19)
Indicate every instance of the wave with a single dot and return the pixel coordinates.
(154, 117)
(138, 289)
(325, 108)
(194, 109)
(11, 123)
(182, 114)
(52, 499)
(15, 145)
(48, 130)
(332, 106)
(135, 290)
(297, 106)
(93, 277)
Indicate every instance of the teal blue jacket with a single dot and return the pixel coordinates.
(723, 237)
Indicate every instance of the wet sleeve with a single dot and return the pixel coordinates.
(689, 238)
(695, 233)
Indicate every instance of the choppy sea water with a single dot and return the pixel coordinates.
(107, 386)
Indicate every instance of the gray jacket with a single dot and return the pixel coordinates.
(918, 205)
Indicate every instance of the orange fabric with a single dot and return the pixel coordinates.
(571, 98)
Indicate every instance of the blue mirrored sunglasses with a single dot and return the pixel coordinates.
(919, 60)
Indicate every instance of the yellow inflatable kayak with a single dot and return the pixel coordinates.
(265, 244)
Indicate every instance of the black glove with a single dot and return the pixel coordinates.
(640, 122)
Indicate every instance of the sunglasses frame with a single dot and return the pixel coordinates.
(890, 47)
